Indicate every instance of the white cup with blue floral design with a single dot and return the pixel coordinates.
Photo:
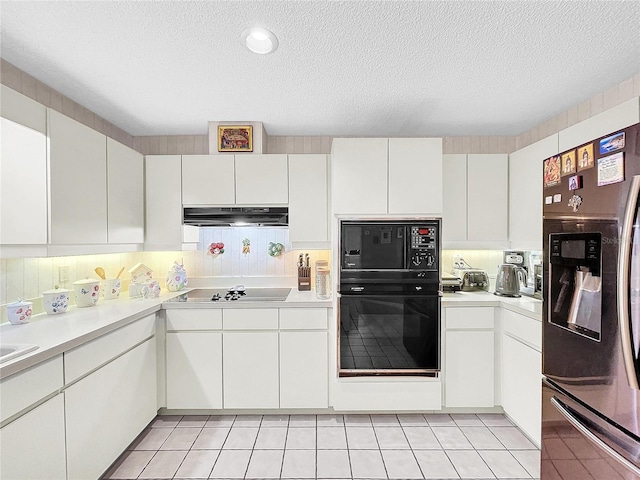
(56, 301)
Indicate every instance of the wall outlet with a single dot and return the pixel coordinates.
(63, 273)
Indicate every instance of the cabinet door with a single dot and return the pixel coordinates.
(194, 370)
(115, 402)
(78, 180)
(250, 369)
(469, 364)
(23, 185)
(521, 373)
(125, 181)
(415, 176)
(261, 180)
(33, 446)
(163, 200)
(454, 209)
(208, 180)
(487, 184)
(359, 175)
(308, 198)
(525, 193)
(303, 383)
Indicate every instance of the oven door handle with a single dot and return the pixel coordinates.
(624, 272)
(593, 438)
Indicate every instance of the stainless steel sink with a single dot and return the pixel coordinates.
(9, 352)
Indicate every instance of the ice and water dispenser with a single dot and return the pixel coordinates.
(575, 282)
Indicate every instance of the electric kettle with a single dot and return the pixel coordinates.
(508, 280)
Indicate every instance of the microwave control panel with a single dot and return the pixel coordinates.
(423, 250)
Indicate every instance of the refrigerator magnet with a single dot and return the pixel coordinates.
(557, 198)
(552, 171)
(612, 143)
(585, 157)
(575, 182)
(611, 169)
(568, 163)
(548, 200)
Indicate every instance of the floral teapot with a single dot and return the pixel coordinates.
(176, 278)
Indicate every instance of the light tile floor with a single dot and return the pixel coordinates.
(434, 446)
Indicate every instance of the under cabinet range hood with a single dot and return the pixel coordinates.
(236, 216)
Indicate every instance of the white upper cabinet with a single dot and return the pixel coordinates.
(475, 194)
(163, 200)
(359, 175)
(525, 193)
(308, 198)
(23, 171)
(399, 176)
(78, 181)
(454, 195)
(23, 184)
(487, 198)
(208, 180)
(261, 180)
(125, 178)
(415, 176)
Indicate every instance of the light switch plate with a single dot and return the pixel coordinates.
(63, 273)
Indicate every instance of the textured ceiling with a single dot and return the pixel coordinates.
(343, 68)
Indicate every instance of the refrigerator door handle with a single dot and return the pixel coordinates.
(589, 435)
(624, 271)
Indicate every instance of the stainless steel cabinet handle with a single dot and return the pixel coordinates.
(624, 270)
(593, 438)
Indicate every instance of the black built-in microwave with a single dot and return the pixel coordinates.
(385, 251)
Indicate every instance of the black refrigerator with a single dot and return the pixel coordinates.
(591, 310)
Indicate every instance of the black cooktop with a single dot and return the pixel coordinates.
(242, 295)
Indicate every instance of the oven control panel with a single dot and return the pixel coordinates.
(423, 249)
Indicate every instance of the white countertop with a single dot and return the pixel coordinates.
(531, 307)
(55, 334)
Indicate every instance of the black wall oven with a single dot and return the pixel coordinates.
(389, 297)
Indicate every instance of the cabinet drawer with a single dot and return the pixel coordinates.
(523, 328)
(303, 319)
(81, 360)
(27, 387)
(469, 317)
(250, 319)
(194, 319)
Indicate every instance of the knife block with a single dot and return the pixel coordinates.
(304, 278)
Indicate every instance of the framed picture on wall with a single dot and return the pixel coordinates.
(235, 138)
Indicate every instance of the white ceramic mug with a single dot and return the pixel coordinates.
(87, 292)
(110, 288)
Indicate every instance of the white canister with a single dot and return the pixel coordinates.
(87, 292)
(56, 301)
(110, 288)
(176, 278)
(19, 312)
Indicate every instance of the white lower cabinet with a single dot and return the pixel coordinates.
(194, 370)
(250, 369)
(107, 409)
(303, 370)
(33, 446)
(469, 357)
(522, 371)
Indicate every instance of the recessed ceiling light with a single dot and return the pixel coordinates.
(260, 40)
